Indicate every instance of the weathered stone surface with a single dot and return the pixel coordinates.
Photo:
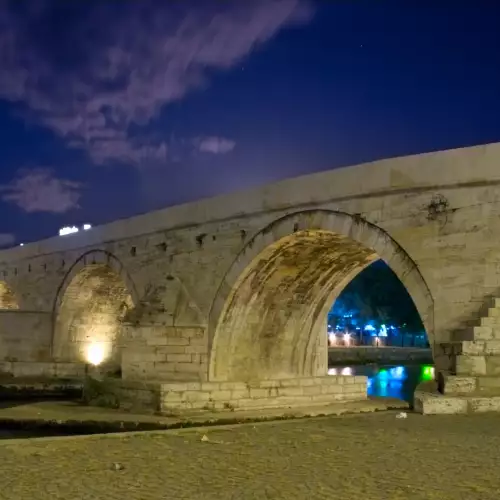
(483, 405)
(436, 404)
(237, 288)
(471, 365)
(459, 385)
(167, 397)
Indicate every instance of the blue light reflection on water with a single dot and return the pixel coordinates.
(389, 381)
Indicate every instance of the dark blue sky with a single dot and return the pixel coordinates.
(109, 109)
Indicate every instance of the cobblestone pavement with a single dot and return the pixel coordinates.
(369, 457)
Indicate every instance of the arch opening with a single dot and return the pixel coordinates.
(375, 309)
(89, 315)
(7, 297)
(272, 323)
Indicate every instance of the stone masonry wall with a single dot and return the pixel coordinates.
(164, 353)
(442, 208)
(193, 396)
(25, 336)
(308, 391)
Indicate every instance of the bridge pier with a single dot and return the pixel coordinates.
(467, 369)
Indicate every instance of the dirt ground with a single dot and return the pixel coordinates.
(375, 456)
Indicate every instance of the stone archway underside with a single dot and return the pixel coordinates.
(89, 316)
(273, 319)
(273, 323)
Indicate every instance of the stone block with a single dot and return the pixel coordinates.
(459, 385)
(360, 388)
(270, 384)
(306, 382)
(346, 379)
(437, 404)
(481, 347)
(361, 379)
(177, 341)
(493, 312)
(197, 341)
(192, 396)
(241, 386)
(313, 390)
(470, 365)
(491, 321)
(192, 368)
(179, 358)
(221, 395)
(259, 393)
(289, 382)
(484, 405)
(483, 333)
(210, 386)
(488, 383)
(240, 394)
(192, 333)
(492, 347)
(324, 398)
(173, 397)
(354, 396)
(195, 349)
(291, 391)
(332, 389)
(473, 347)
(492, 365)
(180, 387)
(172, 349)
(156, 341)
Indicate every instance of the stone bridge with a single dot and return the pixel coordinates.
(226, 299)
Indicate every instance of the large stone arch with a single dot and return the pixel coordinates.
(268, 317)
(89, 306)
(8, 300)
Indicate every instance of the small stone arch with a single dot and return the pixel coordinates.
(266, 320)
(92, 300)
(96, 257)
(8, 300)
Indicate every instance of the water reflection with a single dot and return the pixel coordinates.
(389, 381)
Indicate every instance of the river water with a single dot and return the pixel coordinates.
(390, 381)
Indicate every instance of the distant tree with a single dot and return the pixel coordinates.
(378, 295)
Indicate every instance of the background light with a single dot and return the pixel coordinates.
(68, 230)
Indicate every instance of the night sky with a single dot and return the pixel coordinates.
(110, 109)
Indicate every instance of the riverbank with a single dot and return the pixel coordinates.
(362, 355)
(49, 418)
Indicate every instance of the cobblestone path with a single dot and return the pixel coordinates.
(368, 457)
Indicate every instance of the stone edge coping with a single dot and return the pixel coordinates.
(206, 420)
(208, 386)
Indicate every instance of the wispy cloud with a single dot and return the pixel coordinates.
(39, 191)
(118, 65)
(215, 145)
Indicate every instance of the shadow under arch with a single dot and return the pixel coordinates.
(268, 317)
(90, 303)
